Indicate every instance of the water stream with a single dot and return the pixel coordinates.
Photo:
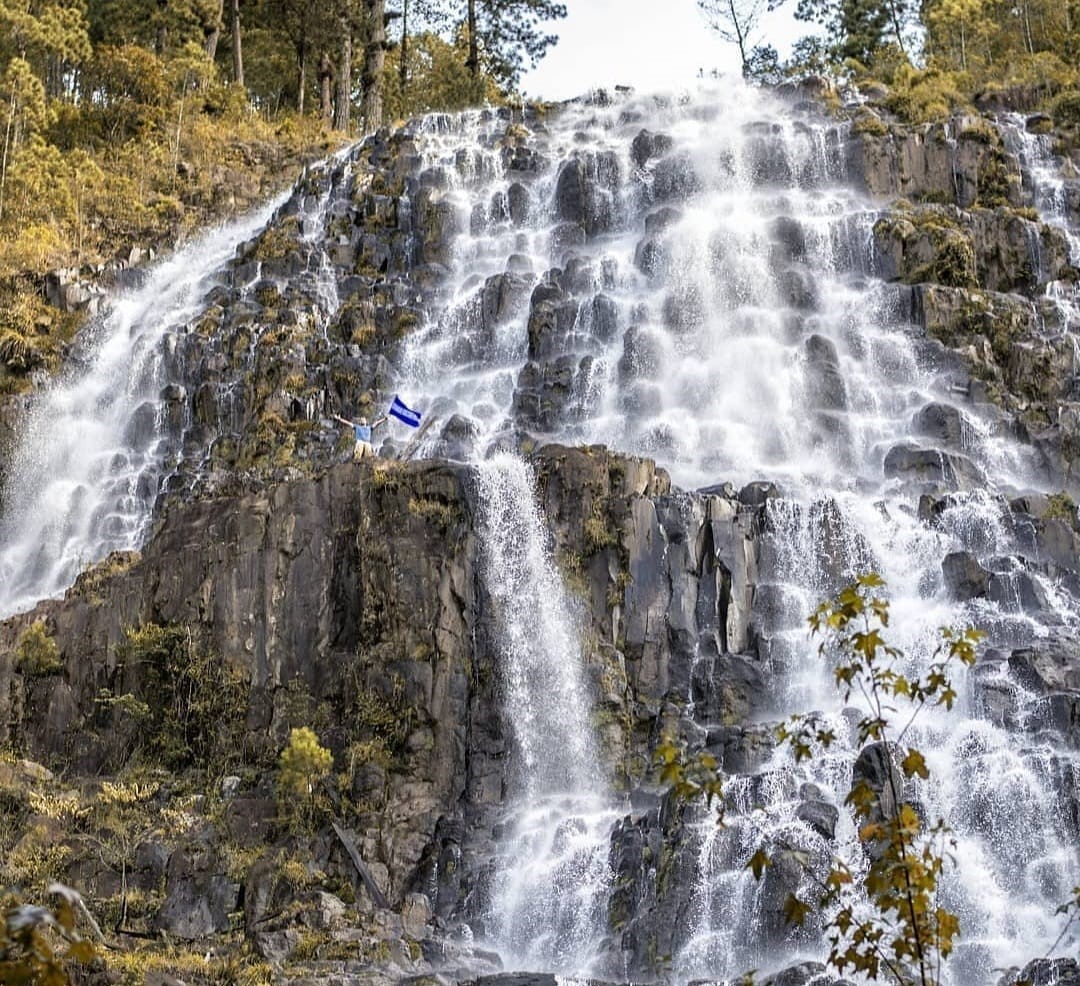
(692, 280)
(549, 903)
(85, 474)
(724, 317)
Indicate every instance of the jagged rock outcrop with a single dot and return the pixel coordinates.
(962, 160)
(351, 596)
(979, 262)
(359, 591)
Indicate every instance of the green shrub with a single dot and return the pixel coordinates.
(36, 653)
(199, 701)
(1066, 108)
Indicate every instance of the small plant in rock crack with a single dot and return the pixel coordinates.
(900, 932)
(693, 778)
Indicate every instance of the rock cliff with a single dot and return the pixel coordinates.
(284, 588)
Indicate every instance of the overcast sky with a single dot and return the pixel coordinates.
(647, 44)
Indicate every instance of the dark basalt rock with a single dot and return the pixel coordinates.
(457, 439)
(647, 145)
(909, 462)
(965, 578)
(758, 493)
(519, 203)
(820, 816)
(651, 257)
(674, 178)
(825, 382)
(796, 288)
(198, 896)
(942, 422)
(1050, 972)
(1017, 591)
(796, 975)
(1052, 665)
(661, 219)
(876, 770)
(790, 240)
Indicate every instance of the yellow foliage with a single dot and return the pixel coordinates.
(36, 653)
(65, 807)
(125, 793)
(303, 763)
(925, 95)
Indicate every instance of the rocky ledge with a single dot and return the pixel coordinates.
(353, 603)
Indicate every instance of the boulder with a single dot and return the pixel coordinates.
(820, 816)
(825, 382)
(648, 145)
(911, 463)
(675, 178)
(1050, 972)
(1052, 664)
(943, 423)
(789, 240)
(796, 975)
(198, 896)
(964, 577)
(874, 769)
(519, 203)
(1017, 591)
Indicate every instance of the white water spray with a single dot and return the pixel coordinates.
(553, 878)
(745, 337)
(85, 474)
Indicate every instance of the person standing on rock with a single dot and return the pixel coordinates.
(362, 432)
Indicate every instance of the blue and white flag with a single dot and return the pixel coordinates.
(403, 413)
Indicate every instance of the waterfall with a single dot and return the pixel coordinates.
(722, 314)
(85, 473)
(692, 280)
(549, 903)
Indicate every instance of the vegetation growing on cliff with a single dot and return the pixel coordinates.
(124, 126)
(907, 931)
(935, 56)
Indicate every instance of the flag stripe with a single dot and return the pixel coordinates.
(403, 413)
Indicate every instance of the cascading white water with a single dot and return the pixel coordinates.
(743, 337)
(552, 881)
(84, 476)
(747, 338)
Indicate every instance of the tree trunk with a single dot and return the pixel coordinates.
(7, 145)
(162, 41)
(326, 77)
(473, 61)
(214, 34)
(897, 26)
(301, 76)
(374, 61)
(740, 38)
(343, 95)
(237, 45)
(403, 68)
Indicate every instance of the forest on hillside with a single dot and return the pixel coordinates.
(127, 123)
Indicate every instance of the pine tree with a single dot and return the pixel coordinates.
(506, 35)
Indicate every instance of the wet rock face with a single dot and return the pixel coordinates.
(360, 591)
(975, 257)
(585, 191)
(1050, 972)
(964, 158)
(931, 468)
(357, 588)
(997, 250)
